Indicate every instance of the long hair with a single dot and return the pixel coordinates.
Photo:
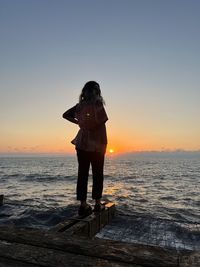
(91, 93)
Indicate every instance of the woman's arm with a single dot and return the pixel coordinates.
(70, 115)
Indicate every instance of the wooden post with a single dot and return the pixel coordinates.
(88, 226)
(1, 200)
(189, 259)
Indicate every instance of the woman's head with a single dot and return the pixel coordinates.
(91, 93)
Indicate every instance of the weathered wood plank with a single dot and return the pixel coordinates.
(87, 226)
(64, 225)
(5, 262)
(50, 257)
(190, 259)
(103, 249)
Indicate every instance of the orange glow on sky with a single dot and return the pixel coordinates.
(118, 142)
(148, 74)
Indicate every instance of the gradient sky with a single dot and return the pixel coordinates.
(144, 53)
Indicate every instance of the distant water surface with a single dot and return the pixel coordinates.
(43, 188)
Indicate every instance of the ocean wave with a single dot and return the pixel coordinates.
(35, 217)
(170, 198)
(137, 186)
(47, 178)
(11, 176)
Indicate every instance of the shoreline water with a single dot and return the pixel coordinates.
(156, 188)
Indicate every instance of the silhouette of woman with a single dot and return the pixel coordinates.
(90, 143)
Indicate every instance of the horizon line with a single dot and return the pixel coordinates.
(167, 151)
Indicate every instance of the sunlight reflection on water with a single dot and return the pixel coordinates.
(166, 187)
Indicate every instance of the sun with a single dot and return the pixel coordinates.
(111, 150)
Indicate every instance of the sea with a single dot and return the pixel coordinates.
(40, 191)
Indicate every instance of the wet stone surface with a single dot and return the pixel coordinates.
(153, 231)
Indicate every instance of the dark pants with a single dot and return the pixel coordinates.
(96, 159)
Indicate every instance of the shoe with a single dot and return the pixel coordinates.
(99, 207)
(85, 210)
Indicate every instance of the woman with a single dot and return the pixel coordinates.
(90, 143)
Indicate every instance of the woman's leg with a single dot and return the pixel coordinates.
(83, 172)
(97, 161)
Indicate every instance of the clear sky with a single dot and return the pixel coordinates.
(144, 53)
